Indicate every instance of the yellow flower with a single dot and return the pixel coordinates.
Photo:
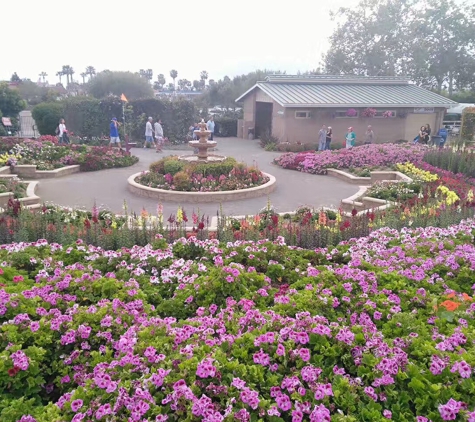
(114, 225)
(470, 195)
(179, 215)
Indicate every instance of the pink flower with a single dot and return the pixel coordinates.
(76, 405)
(206, 369)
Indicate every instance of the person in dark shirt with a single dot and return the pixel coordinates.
(328, 138)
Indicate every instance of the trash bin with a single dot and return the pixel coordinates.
(250, 133)
(437, 140)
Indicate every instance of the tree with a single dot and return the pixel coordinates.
(15, 78)
(31, 92)
(47, 117)
(182, 84)
(91, 71)
(196, 84)
(161, 80)
(69, 72)
(430, 41)
(43, 75)
(204, 76)
(173, 75)
(117, 83)
(59, 74)
(11, 102)
(171, 86)
(83, 76)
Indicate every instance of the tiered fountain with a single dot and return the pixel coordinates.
(202, 146)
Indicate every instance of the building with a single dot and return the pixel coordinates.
(293, 108)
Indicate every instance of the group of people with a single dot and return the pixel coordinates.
(154, 134)
(424, 135)
(210, 125)
(325, 137)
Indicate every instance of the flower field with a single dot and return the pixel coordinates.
(47, 155)
(377, 328)
(365, 156)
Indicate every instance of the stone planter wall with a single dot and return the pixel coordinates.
(30, 172)
(31, 200)
(200, 197)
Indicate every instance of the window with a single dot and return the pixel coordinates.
(302, 114)
(340, 114)
(385, 114)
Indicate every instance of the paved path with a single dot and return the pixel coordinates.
(108, 188)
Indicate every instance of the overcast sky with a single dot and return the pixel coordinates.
(222, 37)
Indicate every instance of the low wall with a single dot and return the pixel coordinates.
(30, 172)
(200, 197)
(31, 200)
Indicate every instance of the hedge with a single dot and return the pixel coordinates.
(227, 126)
(90, 117)
(468, 123)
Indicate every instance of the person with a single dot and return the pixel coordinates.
(423, 136)
(350, 138)
(322, 136)
(148, 133)
(193, 128)
(369, 136)
(211, 126)
(114, 133)
(62, 133)
(328, 139)
(443, 133)
(158, 135)
(428, 131)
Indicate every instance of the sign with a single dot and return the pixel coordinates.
(6, 121)
(424, 110)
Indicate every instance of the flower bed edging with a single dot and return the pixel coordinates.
(31, 200)
(347, 177)
(30, 171)
(200, 197)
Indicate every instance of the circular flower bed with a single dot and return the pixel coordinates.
(375, 328)
(170, 173)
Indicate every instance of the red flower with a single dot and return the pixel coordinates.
(354, 211)
(13, 371)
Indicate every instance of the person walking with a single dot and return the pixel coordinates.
(211, 126)
(158, 135)
(328, 138)
(322, 136)
(114, 133)
(350, 138)
(148, 133)
(62, 133)
(369, 135)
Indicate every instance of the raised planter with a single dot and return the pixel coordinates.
(28, 171)
(200, 197)
(31, 200)
(349, 178)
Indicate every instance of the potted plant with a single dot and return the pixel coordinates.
(351, 112)
(369, 112)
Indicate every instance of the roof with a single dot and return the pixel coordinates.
(344, 91)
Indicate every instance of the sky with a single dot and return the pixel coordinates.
(222, 37)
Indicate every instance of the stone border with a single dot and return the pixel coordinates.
(30, 172)
(200, 197)
(30, 201)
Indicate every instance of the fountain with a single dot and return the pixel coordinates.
(202, 146)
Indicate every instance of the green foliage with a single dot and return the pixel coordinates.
(84, 116)
(172, 165)
(467, 131)
(454, 161)
(10, 101)
(216, 169)
(47, 117)
(182, 181)
(267, 138)
(131, 84)
(227, 126)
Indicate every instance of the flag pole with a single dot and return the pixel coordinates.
(125, 131)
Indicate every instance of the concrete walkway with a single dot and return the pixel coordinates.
(108, 188)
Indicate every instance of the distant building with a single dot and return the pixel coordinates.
(293, 108)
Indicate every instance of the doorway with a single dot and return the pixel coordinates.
(263, 119)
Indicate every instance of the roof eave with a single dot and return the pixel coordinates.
(447, 105)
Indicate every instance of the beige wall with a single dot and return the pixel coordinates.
(390, 129)
(249, 111)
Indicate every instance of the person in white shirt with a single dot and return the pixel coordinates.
(62, 132)
(148, 133)
(211, 126)
(158, 135)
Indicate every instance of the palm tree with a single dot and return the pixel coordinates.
(173, 75)
(71, 73)
(59, 74)
(196, 84)
(204, 75)
(149, 74)
(161, 79)
(83, 76)
(91, 71)
(43, 75)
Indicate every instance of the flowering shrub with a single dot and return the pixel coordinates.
(369, 112)
(351, 112)
(387, 114)
(394, 190)
(13, 185)
(375, 328)
(384, 155)
(48, 156)
(48, 138)
(9, 159)
(172, 174)
(416, 173)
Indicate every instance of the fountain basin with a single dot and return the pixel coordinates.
(210, 158)
(198, 144)
(200, 197)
